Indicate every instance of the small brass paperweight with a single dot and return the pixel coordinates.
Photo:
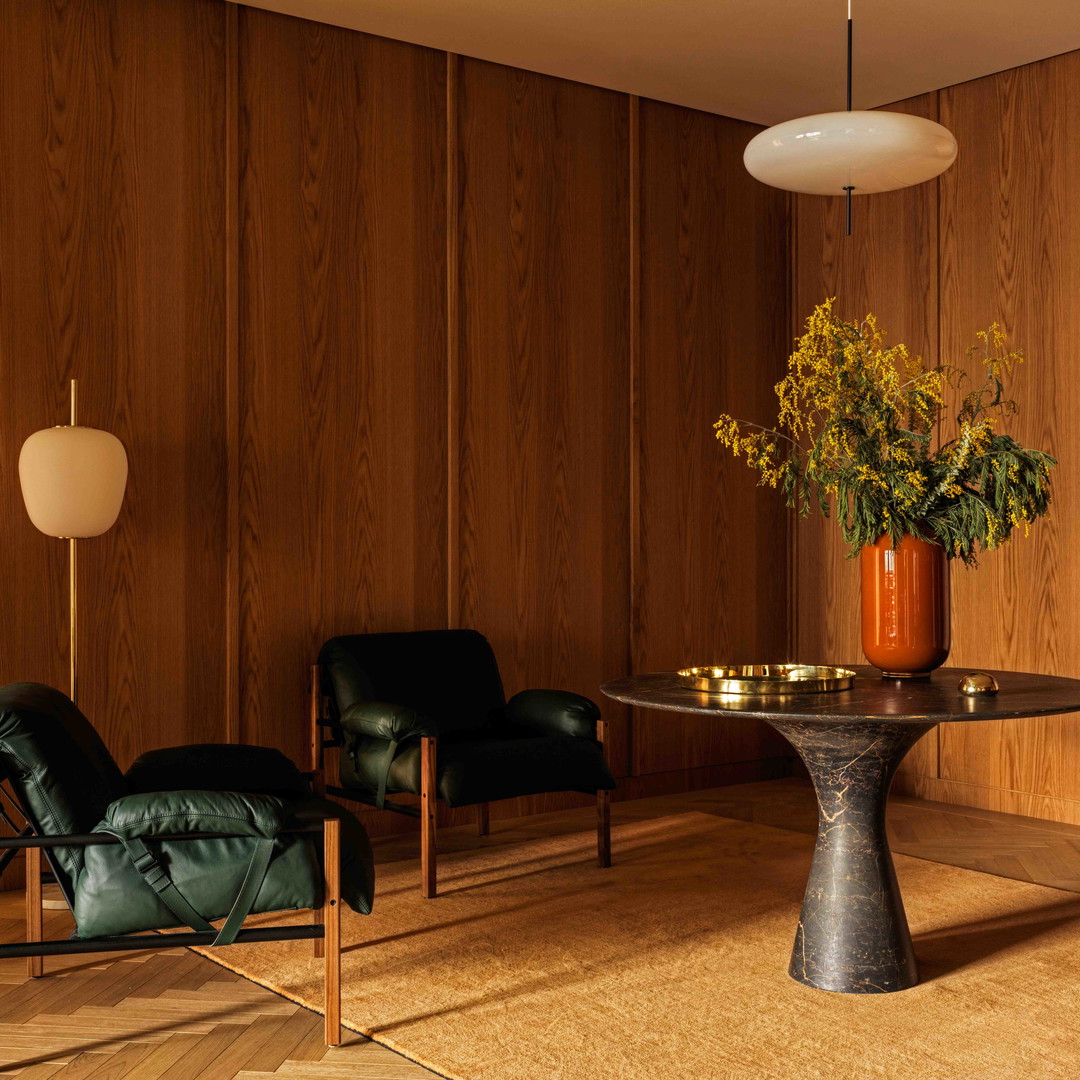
(978, 682)
(767, 679)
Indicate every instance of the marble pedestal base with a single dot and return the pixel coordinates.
(853, 935)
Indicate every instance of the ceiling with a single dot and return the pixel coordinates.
(758, 60)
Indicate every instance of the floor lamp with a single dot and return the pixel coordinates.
(73, 480)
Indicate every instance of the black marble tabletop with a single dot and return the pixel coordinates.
(873, 697)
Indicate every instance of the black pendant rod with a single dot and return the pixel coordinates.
(849, 35)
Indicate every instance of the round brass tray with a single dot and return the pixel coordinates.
(767, 679)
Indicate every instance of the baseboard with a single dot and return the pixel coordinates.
(1001, 800)
(380, 823)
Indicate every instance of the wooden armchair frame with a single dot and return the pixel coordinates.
(319, 724)
(326, 931)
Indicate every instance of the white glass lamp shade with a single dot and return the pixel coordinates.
(871, 151)
(73, 480)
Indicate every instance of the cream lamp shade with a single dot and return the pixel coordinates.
(866, 151)
(73, 480)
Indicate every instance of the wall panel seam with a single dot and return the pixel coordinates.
(453, 591)
(634, 344)
(232, 373)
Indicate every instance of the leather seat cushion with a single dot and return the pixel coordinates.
(479, 770)
(218, 767)
(111, 897)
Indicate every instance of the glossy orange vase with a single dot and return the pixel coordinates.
(906, 626)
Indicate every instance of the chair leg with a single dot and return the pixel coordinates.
(603, 828)
(318, 766)
(318, 943)
(603, 807)
(331, 917)
(483, 819)
(35, 965)
(427, 818)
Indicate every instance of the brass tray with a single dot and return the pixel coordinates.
(767, 679)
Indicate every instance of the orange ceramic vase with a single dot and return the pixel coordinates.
(905, 606)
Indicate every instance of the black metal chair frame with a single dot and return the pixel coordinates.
(320, 723)
(326, 932)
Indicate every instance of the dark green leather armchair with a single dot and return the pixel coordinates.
(187, 836)
(424, 713)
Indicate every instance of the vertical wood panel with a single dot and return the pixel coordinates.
(711, 568)
(379, 328)
(888, 266)
(111, 271)
(343, 377)
(1010, 248)
(543, 423)
(231, 195)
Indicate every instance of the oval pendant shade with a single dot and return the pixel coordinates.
(869, 150)
(73, 480)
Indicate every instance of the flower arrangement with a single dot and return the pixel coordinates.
(860, 424)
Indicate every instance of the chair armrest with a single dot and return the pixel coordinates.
(381, 720)
(554, 711)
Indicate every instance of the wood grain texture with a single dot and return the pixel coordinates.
(710, 568)
(343, 351)
(111, 271)
(888, 266)
(542, 430)
(997, 237)
(387, 336)
(163, 1015)
(1010, 248)
(331, 917)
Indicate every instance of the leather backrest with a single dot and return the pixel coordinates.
(58, 767)
(448, 675)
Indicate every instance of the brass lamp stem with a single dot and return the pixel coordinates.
(73, 617)
(73, 582)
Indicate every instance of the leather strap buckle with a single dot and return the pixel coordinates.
(144, 862)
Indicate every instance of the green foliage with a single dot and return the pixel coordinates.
(857, 428)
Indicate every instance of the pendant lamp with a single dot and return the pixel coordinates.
(73, 480)
(850, 153)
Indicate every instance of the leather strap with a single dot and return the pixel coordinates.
(155, 876)
(245, 898)
(388, 760)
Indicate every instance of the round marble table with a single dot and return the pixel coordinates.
(853, 934)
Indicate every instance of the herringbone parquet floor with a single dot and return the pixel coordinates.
(167, 1015)
(174, 1015)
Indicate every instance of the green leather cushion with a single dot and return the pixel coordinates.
(479, 770)
(554, 712)
(217, 767)
(448, 677)
(380, 720)
(111, 896)
(60, 770)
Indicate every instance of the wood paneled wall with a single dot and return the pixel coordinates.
(394, 339)
(342, 359)
(710, 579)
(997, 237)
(541, 431)
(112, 271)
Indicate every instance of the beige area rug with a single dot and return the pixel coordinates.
(535, 965)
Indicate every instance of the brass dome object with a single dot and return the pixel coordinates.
(978, 682)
